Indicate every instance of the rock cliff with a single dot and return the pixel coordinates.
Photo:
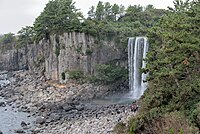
(61, 54)
(13, 60)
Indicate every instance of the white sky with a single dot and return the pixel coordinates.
(15, 14)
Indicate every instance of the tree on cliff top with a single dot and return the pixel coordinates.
(7, 38)
(58, 16)
(7, 41)
(25, 36)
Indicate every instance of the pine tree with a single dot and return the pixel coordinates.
(99, 11)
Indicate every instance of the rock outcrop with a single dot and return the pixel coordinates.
(61, 54)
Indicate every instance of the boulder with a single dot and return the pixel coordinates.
(24, 125)
(40, 120)
(80, 107)
(20, 131)
(2, 104)
(68, 108)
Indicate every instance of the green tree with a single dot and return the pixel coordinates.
(25, 35)
(91, 13)
(173, 70)
(47, 21)
(7, 42)
(7, 38)
(107, 11)
(121, 10)
(99, 11)
(149, 7)
(115, 11)
(68, 16)
(58, 16)
(134, 9)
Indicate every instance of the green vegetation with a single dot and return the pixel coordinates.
(89, 51)
(108, 73)
(25, 37)
(59, 16)
(104, 22)
(7, 42)
(172, 102)
(76, 74)
(120, 128)
(7, 38)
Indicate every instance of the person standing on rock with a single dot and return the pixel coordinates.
(134, 106)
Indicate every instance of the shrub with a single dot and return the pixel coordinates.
(75, 74)
(89, 51)
(91, 78)
(157, 123)
(110, 73)
(120, 128)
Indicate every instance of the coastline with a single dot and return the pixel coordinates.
(63, 109)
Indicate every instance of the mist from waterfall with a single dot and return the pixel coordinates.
(137, 51)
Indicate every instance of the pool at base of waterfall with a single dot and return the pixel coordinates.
(114, 99)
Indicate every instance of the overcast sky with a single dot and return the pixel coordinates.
(15, 14)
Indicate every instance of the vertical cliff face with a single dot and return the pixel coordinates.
(13, 60)
(61, 54)
(76, 51)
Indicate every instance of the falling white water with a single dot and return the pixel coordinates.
(137, 50)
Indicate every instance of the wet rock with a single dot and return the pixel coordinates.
(118, 112)
(40, 120)
(1, 132)
(23, 124)
(35, 131)
(61, 109)
(67, 108)
(20, 131)
(55, 117)
(80, 107)
(2, 104)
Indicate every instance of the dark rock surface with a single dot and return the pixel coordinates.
(2, 104)
(40, 120)
(63, 108)
(19, 131)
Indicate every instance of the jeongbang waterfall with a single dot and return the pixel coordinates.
(137, 51)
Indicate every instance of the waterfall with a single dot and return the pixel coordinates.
(137, 50)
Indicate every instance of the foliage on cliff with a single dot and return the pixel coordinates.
(105, 21)
(172, 102)
(58, 16)
(7, 42)
(109, 73)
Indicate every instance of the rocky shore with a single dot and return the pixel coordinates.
(62, 109)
